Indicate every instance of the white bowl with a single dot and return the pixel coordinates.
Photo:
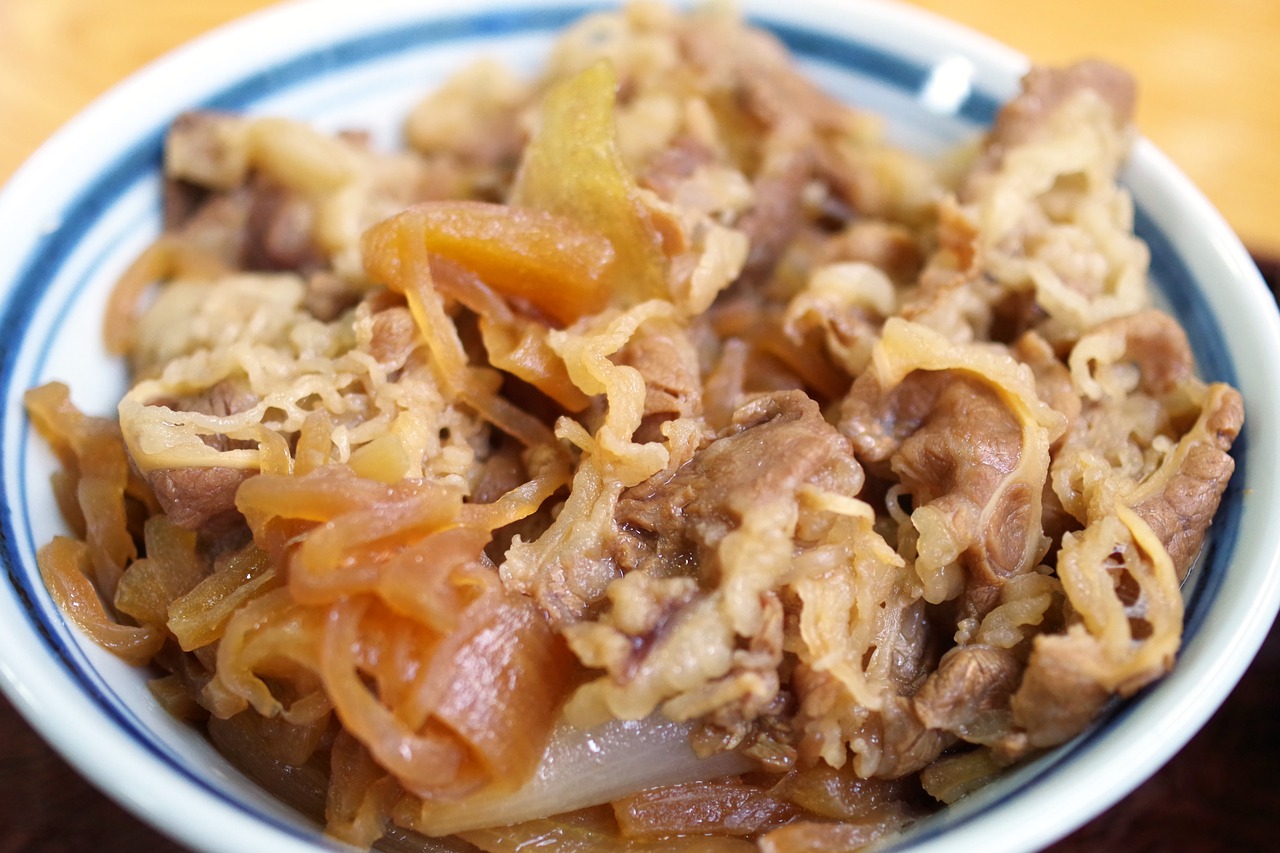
(84, 205)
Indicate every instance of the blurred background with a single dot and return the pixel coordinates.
(1208, 71)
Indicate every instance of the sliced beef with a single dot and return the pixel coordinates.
(204, 148)
(193, 498)
(887, 743)
(778, 189)
(888, 246)
(215, 200)
(907, 744)
(198, 498)
(1179, 497)
(773, 446)
(695, 624)
(395, 336)
(970, 682)
(1058, 697)
(877, 423)
(1157, 345)
(1179, 502)
(328, 295)
(1053, 379)
(1027, 117)
(278, 231)
(665, 357)
(674, 165)
(956, 447)
(212, 223)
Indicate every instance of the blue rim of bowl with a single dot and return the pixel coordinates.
(901, 74)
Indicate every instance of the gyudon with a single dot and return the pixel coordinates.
(648, 455)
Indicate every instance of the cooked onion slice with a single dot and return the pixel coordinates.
(547, 260)
(572, 168)
(579, 769)
(65, 566)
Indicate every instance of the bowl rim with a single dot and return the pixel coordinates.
(56, 707)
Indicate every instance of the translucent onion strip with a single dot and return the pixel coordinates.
(580, 769)
(64, 566)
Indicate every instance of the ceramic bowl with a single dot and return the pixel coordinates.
(88, 202)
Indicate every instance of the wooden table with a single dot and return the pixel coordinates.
(1208, 70)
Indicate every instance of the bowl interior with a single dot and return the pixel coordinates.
(89, 202)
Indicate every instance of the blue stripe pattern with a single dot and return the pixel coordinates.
(142, 162)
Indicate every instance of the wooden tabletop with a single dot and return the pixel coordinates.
(1208, 72)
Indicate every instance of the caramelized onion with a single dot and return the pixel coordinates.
(247, 745)
(93, 454)
(547, 260)
(360, 794)
(592, 832)
(200, 617)
(572, 168)
(462, 733)
(723, 807)
(817, 837)
(63, 566)
(169, 571)
(399, 258)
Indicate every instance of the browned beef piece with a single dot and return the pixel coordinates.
(774, 445)
(958, 461)
(214, 223)
(1055, 388)
(1179, 507)
(773, 90)
(674, 165)
(885, 245)
(784, 109)
(899, 742)
(1053, 379)
(214, 200)
(908, 744)
(777, 212)
(966, 696)
(1179, 500)
(954, 444)
(1157, 345)
(328, 295)
(969, 682)
(1044, 91)
(1064, 685)
(278, 231)
(673, 382)
(199, 150)
(204, 197)
(195, 498)
(878, 423)
(395, 336)
(257, 227)
(1058, 697)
